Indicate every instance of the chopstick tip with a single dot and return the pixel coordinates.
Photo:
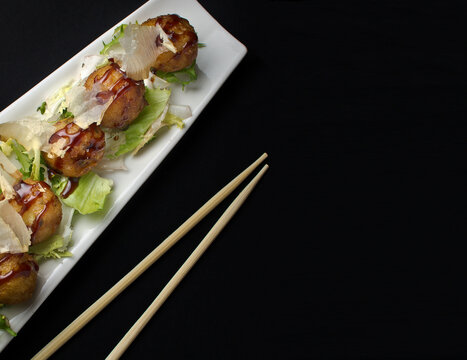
(263, 170)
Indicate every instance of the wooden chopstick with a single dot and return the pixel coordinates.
(184, 269)
(150, 259)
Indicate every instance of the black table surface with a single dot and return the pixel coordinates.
(352, 246)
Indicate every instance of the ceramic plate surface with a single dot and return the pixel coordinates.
(215, 63)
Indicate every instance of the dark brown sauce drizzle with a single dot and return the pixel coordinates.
(23, 269)
(66, 133)
(37, 221)
(171, 23)
(71, 186)
(26, 196)
(74, 134)
(118, 88)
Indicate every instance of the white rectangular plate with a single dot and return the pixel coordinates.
(215, 63)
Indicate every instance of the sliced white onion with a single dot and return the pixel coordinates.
(64, 228)
(155, 82)
(110, 165)
(181, 111)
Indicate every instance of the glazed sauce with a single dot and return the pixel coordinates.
(71, 132)
(37, 221)
(171, 23)
(26, 196)
(118, 88)
(71, 185)
(23, 269)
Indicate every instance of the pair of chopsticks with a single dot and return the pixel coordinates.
(113, 292)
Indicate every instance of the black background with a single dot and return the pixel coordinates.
(352, 246)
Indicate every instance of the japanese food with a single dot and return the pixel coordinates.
(55, 162)
(85, 148)
(184, 38)
(128, 95)
(18, 275)
(39, 207)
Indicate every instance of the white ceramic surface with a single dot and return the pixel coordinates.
(215, 63)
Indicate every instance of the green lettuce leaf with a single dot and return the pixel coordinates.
(58, 183)
(6, 148)
(90, 194)
(171, 119)
(36, 165)
(118, 33)
(55, 247)
(183, 77)
(42, 108)
(22, 156)
(5, 325)
(157, 100)
(65, 114)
